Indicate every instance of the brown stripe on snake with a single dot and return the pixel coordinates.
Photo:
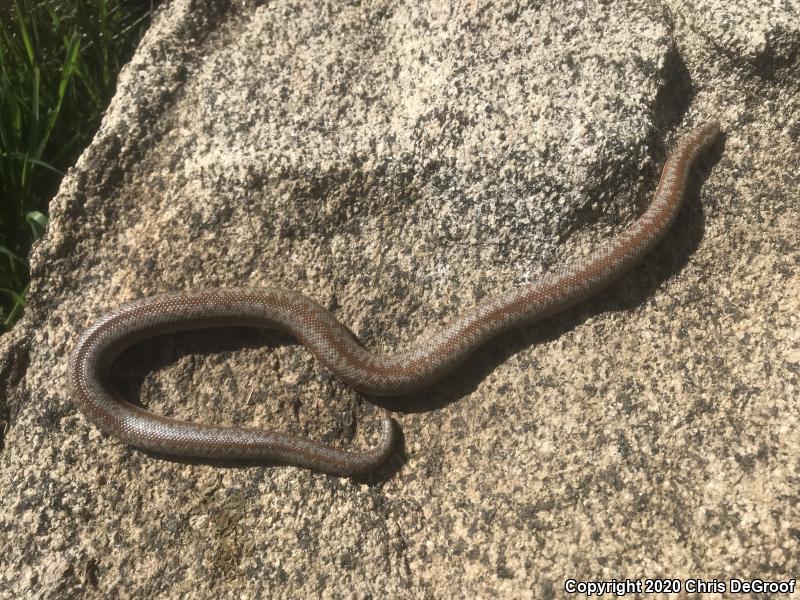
(333, 344)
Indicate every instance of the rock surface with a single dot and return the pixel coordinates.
(396, 162)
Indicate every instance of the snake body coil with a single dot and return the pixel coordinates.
(417, 367)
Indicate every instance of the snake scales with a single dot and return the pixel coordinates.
(405, 371)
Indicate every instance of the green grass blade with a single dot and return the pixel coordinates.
(37, 222)
(40, 163)
(72, 50)
(26, 39)
(11, 255)
(19, 301)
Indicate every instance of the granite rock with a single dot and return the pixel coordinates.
(397, 162)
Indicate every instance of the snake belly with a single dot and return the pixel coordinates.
(424, 362)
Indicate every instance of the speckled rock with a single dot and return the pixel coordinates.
(397, 162)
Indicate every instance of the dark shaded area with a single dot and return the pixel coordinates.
(12, 370)
(674, 96)
(776, 59)
(129, 371)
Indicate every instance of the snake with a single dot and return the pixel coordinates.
(405, 371)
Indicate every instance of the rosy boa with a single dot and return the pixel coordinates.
(405, 371)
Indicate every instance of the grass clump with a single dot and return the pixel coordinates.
(59, 61)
